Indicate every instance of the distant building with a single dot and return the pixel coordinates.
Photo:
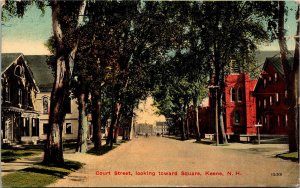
(271, 97)
(162, 128)
(143, 129)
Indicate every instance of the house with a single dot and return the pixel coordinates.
(271, 97)
(44, 75)
(19, 114)
(26, 88)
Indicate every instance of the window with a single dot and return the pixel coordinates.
(275, 77)
(237, 117)
(20, 97)
(286, 119)
(265, 83)
(277, 97)
(68, 105)
(240, 95)
(266, 120)
(270, 79)
(35, 126)
(25, 127)
(265, 103)
(45, 105)
(45, 128)
(68, 128)
(259, 103)
(271, 100)
(278, 120)
(7, 94)
(285, 94)
(233, 95)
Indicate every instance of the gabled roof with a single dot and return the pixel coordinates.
(8, 59)
(41, 71)
(276, 63)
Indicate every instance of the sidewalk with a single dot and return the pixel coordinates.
(19, 164)
(265, 148)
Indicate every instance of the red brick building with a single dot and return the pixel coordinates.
(270, 93)
(240, 107)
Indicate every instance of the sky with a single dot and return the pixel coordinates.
(28, 34)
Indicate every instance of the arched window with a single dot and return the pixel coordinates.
(240, 95)
(45, 104)
(237, 117)
(233, 95)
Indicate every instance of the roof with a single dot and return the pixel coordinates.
(38, 68)
(41, 70)
(7, 59)
(276, 63)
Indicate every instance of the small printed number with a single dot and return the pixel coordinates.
(276, 174)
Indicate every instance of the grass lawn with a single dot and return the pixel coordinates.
(39, 175)
(9, 155)
(289, 156)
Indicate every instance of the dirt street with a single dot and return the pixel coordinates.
(157, 161)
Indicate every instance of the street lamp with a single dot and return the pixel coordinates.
(216, 113)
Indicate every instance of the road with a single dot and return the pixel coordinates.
(157, 161)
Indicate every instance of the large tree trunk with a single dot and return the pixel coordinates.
(222, 126)
(60, 91)
(96, 119)
(114, 119)
(290, 79)
(296, 83)
(82, 124)
(117, 129)
(187, 123)
(195, 105)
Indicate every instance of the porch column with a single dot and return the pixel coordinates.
(30, 127)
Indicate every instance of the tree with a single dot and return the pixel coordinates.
(66, 20)
(290, 72)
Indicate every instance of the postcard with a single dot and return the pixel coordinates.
(149, 93)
